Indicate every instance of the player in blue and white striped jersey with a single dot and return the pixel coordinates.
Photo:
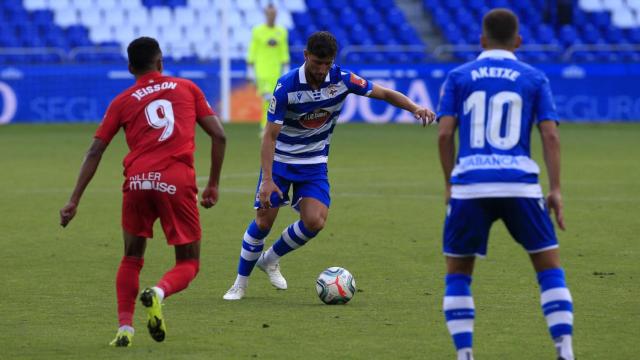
(302, 114)
(495, 101)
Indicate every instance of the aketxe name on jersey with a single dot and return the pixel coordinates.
(497, 100)
(308, 116)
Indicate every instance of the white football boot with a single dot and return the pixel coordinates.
(235, 293)
(273, 271)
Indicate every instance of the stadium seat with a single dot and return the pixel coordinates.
(623, 18)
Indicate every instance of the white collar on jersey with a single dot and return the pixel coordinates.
(303, 77)
(497, 54)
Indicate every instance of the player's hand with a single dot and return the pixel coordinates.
(67, 213)
(267, 187)
(554, 202)
(427, 116)
(209, 197)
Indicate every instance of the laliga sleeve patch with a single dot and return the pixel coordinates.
(272, 105)
(357, 80)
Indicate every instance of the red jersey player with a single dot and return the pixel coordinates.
(158, 115)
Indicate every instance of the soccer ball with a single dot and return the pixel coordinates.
(335, 285)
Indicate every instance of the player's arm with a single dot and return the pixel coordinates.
(87, 170)
(285, 52)
(251, 55)
(447, 149)
(267, 152)
(551, 150)
(213, 127)
(400, 100)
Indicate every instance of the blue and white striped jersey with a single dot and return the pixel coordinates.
(309, 116)
(497, 100)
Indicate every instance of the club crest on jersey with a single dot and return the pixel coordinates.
(357, 80)
(315, 119)
(332, 90)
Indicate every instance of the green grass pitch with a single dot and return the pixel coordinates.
(57, 292)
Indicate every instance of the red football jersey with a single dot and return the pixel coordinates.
(158, 115)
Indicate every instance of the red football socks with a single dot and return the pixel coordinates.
(178, 278)
(127, 285)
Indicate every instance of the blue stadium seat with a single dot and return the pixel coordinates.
(568, 35)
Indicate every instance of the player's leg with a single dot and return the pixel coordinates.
(180, 220)
(254, 236)
(312, 200)
(252, 246)
(458, 305)
(529, 223)
(138, 217)
(466, 232)
(127, 286)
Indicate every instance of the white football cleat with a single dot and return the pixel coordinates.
(273, 271)
(234, 293)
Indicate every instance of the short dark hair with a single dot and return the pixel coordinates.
(500, 26)
(322, 44)
(143, 52)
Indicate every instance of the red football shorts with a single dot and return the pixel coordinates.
(171, 195)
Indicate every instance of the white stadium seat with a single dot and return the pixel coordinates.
(138, 17)
(125, 34)
(90, 16)
(59, 5)
(591, 5)
(634, 4)
(623, 18)
(66, 17)
(114, 17)
(161, 15)
(100, 34)
(82, 4)
(184, 16)
(614, 4)
(35, 4)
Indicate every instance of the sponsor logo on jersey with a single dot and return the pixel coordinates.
(315, 119)
(357, 80)
(150, 181)
(272, 42)
(272, 105)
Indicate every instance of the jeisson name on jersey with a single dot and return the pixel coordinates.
(142, 92)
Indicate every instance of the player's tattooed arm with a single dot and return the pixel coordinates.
(87, 170)
(213, 127)
(400, 100)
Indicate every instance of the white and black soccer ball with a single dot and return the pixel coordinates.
(335, 285)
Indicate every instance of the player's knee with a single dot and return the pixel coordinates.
(264, 224)
(314, 224)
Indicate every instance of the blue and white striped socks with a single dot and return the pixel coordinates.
(252, 245)
(459, 312)
(557, 307)
(293, 237)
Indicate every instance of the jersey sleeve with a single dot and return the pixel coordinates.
(448, 101)
(356, 84)
(545, 106)
(203, 108)
(110, 123)
(278, 105)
